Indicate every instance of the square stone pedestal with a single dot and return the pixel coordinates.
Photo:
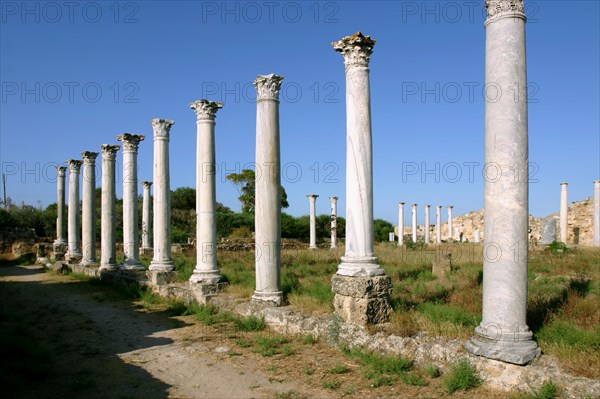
(362, 300)
(159, 277)
(442, 263)
(203, 292)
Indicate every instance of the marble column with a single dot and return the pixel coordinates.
(161, 256)
(450, 230)
(427, 224)
(597, 213)
(130, 201)
(312, 199)
(476, 237)
(60, 244)
(206, 270)
(359, 267)
(564, 212)
(74, 238)
(400, 224)
(414, 222)
(146, 217)
(438, 224)
(88, 209)
(333, 218)
(503, 333)
(267, 206)
(457, 234)
(108, 226)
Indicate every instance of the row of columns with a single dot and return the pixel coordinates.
(312, 198)
(438, 226)
(564, 213)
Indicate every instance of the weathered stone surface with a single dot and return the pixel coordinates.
(157, 277)
(23, 248)
(549, 230)
(442, 263)
(362, 311)
(60, 267)
(362, 287)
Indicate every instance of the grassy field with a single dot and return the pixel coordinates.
(563, 307)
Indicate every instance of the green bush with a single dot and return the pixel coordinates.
(462, 376)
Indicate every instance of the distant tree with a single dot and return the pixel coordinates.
(183, 198)
(382, 229)
(245, 183)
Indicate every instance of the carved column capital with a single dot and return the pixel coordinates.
(161, 128)
(109, 151)
(147, 184)
(61, 171)
(74, 165)
(89, 157)
(497, 9)
(355, 49)
(130, 141)
(206, 110)
(267, 87)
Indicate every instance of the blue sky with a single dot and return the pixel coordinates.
(76, 76)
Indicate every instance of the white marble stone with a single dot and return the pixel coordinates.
(333, 222)
(146, 217)
(597, 213)
(267, 207)
(88, 209)
(400, 224)
(414, 222)
(427, 208)
(312, 200)
(130, 201)
(161, 255)
(450, 230)
(564, 212)
(476, 237)
(503, 333)
(60, 244)
(438, 224)
(206, 270)
(359, 258)
(108, 225)
(457, 234)
(74, 237)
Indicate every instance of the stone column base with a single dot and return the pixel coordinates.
(131, 265)
(59, 249)
(203, 292)
(206, 277)
(162, 266)
(362, 300)
(269, 298)
(159, 277)
(517, 348)
(74, 259)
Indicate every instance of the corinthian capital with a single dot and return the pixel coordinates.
(109, 151)
(504, 8)
(161, 128)
(60, 171)
(89, 158)
(267, 87)
(355, 49)
(206, 110)
(74, 165)
(130, 141)
(147, 184)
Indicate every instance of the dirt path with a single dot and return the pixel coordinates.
(96, 347)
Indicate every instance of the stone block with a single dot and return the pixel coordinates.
(158, 277)
(362, 287)
(549, 230)
(204, 291)
(362, 311)
(442, 263)
(60, 267)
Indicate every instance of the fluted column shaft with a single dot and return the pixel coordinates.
(130, 201)
(61, 237)
(564, 212)
(427, 223)
(108, 226)
(206, 270)
(74, 237)
(333, 218)
(88, 208)
(503, 333)
(146, 216)
(400, 223)
(161, 257)
(312, 199)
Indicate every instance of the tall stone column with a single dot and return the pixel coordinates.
(400, 224)
(360, 285)
(450, 230)
(108, 244)
(312, 199)
(414, 222)
(161, 257)
(564, 212)
(88, 208)
(597, 213)
(130, 201)
(333, 222)
(476, 237)
(206, 270)
(438, 224)
(427, 223)
(503, 333)
(60, 244)
(74, 244)
(146, 217)
(267, 207)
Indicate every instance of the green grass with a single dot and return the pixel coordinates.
(432, 371)
(439, 313)
(339, 369)
(461, 377)
(567, 334)
(249, 323)
(272, 345)
(548, 391)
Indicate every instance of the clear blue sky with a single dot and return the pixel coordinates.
(75, 76)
